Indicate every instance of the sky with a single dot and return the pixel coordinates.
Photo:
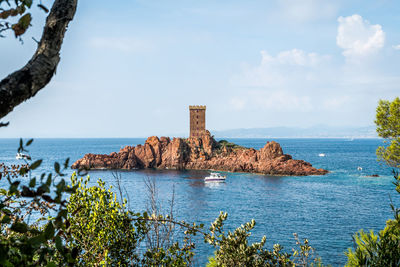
(131, 68)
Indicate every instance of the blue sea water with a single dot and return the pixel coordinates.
(327, 210)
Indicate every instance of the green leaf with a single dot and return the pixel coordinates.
(37, 240)
(42, 189)
(19, 227)
(35, 164)
(6, 211)
(49, 231)
(61, 185)
(34, 231)
(32, 182)
(23, 171)
(26, 192)
(29, 142)
(66, 163)
(59, 244)
(21, 145)
(6, 219)
(48, 181)
(57, 167)
(28, 3)
(25, 21)
(82, 172)
(63, 213)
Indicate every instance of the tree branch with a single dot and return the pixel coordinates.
(37, 73)
(4, 124)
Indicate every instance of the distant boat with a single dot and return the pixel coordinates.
(359, 168)
(215, 177)
(321, 154)
(22, 156)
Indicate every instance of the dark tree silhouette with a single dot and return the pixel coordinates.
(37, 73)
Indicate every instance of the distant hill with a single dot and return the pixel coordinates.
(320, 131)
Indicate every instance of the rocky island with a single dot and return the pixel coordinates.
(200, 153)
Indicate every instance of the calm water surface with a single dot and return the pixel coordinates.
(327, 210)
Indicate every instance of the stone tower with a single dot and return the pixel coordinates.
(197, 121)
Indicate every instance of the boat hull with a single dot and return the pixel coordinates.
(214, 180)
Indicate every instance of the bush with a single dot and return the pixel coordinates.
(233, 249)
(224, 143)
(42, 242)
(100, 226)
(382, 249)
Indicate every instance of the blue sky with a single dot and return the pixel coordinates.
(132, 68)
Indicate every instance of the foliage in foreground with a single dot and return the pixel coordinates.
(15, 16)
(100, 227)
(388, 127)
(41, 242)
(383, 249)
(233, 249)
(107, 233)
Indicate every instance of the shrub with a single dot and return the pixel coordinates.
(382, 249)
(42, 242)
(100, 226)
(233, 249)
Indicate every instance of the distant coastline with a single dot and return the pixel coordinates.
(368, 132)
(297, 132)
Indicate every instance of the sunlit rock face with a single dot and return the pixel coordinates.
(200, 153)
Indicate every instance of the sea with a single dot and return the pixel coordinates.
(327, 210)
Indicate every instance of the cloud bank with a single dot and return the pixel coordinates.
(358, 38)
(309, 82)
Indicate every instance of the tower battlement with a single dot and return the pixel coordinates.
(197, 120)
(197, 107)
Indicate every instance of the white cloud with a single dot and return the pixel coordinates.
(310, 84)
(279, 100)
(358, 38)
(307, 10)
(282, 82)
(396, 47)
(278, 72)
(294, 57)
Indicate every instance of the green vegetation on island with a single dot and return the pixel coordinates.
(226, 144)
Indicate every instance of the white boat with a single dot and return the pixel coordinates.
(321, 154)
(359, 168)
(22, 156)
(215, 177)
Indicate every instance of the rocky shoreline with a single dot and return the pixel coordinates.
(200, 153)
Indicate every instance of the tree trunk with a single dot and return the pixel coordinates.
(37, 73)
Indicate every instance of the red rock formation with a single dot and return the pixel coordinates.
(200, 153)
